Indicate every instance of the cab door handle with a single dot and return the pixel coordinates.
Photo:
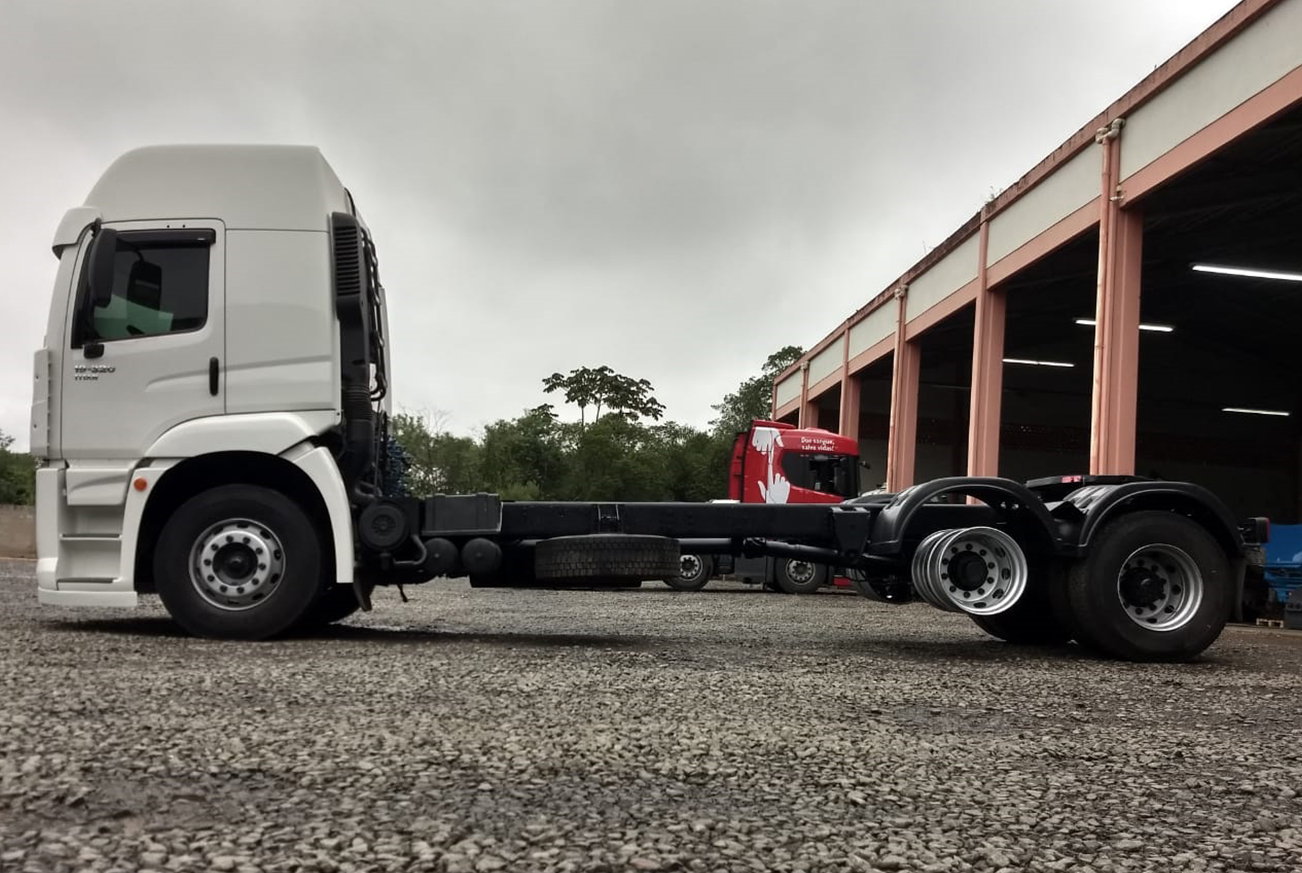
(213, 372)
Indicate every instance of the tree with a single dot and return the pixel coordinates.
(524, 458)
(603, 388)
(437, 461)
(17, 474)
(754, 397)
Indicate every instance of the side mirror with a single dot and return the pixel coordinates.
(99, 266)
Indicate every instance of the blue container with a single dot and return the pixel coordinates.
(1283, 569)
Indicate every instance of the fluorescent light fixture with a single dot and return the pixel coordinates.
(1155, 328)
(1038, 363)
(1278, 412)
(1250, 274)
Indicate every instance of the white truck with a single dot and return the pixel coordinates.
(211, 406)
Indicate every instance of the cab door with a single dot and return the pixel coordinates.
(151, 356)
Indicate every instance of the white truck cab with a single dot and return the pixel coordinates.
(211, 340)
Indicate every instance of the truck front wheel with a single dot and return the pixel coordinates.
(238, 562)
(1155, 587)
(335, 603)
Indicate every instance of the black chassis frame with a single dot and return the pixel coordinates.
(1057, 517)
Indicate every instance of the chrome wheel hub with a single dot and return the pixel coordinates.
(1160, 587)
(801, 572)
(977, 570)
(236, 564)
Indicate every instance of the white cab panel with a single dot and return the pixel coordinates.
(282, 342)
(320, 467)
(268, 432)
(97, 484)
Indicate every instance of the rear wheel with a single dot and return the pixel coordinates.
(694, 573)
(799, 577)
(1155, 587)
(1031, 621)
(238, 562)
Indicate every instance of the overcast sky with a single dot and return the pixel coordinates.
(675, 189)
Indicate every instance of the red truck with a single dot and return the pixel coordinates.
(773, 462)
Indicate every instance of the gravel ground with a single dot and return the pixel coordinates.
(727, 730)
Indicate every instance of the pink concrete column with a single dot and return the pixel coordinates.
(849, 423)
(902, 448)
(1116, 332)
(807, 415)
(987, 371)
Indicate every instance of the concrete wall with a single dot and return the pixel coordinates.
(788, 389)
(1258, 57)
(17, 532)
(945, 277)
(1070, 187)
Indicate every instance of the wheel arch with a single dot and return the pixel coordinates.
(191, 476)
(1100, 505)
(897, 521)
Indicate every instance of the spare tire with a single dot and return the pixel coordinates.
(622, 556)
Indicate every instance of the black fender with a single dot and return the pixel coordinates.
(1010, 499)
(1095, 505)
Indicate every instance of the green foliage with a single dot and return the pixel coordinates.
(753, 398)
(615, 456)
(17, 474)
(438, 462)
(603, 388)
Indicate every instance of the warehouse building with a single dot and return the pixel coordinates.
(1132, 305)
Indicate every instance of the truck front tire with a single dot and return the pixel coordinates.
(336, 603)
(1155, 587)
(239, 562)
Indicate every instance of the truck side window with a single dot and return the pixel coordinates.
(160, 286)
(828, 474)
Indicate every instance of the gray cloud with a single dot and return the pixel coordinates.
(673, 188)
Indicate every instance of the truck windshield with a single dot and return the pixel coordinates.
(819, 471)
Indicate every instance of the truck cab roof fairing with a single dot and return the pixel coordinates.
(249, 187)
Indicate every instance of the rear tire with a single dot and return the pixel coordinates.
(1031, 621)
(1155, 587)
(694, 573)
(799, 577)
(238, 562)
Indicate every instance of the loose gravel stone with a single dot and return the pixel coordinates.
(726, 730)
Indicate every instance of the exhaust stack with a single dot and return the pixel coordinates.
(977, 570)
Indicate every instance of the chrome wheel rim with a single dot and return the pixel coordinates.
(689, 567)
(801, 572)
(1160, 587)
(977, 570)
(236, 564)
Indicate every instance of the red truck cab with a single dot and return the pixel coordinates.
(774, 462)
